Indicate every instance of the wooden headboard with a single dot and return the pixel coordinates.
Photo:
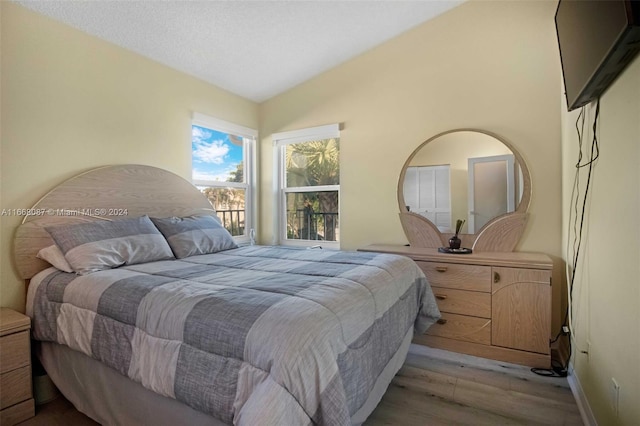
(105, 193)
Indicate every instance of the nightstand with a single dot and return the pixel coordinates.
(16, 395)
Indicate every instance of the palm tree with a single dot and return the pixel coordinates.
(238, 174)
(311, 164)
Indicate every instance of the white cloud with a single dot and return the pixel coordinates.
(213, 152)
(199, 134)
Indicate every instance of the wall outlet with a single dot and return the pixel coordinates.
(614, 395)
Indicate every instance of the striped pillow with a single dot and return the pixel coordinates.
(194, 235)
(95, 246)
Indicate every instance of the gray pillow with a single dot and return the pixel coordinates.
(99, 245)
(194, 235)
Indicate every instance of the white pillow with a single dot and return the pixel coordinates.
(54, 256)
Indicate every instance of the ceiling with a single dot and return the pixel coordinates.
(255, 49)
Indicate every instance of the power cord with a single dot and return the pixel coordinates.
(557, 369)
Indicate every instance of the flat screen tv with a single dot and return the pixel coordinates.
(597, 40)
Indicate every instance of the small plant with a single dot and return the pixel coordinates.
(454, 242)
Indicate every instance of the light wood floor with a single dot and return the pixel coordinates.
(434, 388)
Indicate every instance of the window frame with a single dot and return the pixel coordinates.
(249, 138)
(280, 142)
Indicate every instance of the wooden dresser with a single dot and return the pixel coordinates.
(16, 396)
(494, 304)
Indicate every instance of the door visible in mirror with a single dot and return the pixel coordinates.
(491, 189)
(427, 192)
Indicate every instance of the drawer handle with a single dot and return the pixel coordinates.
(442, 321)
(441, 268)
(496, 277)
(441, 296)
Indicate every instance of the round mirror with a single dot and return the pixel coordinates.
(463, 175)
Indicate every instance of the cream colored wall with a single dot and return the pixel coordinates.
(71, 102)
(486, 65)
(606, 290)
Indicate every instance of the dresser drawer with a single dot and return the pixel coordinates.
(17, 413)
(457, 276)
(16, 386)
(14, 351)
(462, 327)
(470, 303)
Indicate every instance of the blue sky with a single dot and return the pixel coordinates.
(213, 154)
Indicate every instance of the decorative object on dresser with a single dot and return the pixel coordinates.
(454, 242)
(494, 305)
(16, 396)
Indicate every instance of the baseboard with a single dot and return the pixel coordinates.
(581, 400)
(529, 359)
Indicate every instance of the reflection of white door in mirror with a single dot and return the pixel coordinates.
(427, 192)
(491, 189)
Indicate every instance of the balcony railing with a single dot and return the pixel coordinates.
(303, 225)
(232, 220)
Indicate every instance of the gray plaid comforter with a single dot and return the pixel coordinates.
(255, 335)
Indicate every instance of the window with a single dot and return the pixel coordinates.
(223, 166)
(308, 186)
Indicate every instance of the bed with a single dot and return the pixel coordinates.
(181, 326)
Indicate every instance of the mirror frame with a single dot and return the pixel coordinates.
(501, 233)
